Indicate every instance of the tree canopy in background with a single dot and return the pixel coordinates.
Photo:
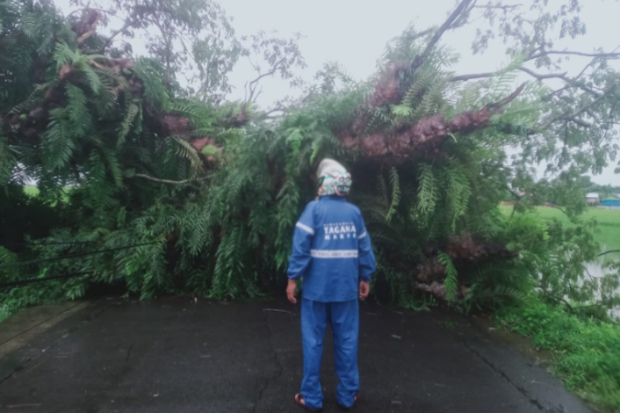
(175, 188)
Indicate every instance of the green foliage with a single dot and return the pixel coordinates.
(394, 183)
(608, 222)
(427, 191)
(161, 217)
(150, 72)
(586, 352)
(58, 144)
(7, 159)
(458, 191)
(451, 275)
(150, 214)
(23, 217)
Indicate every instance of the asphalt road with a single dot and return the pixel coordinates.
(174, 355)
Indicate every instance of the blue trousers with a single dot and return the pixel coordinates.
(344, 319)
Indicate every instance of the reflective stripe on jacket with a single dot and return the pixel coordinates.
(331, 250)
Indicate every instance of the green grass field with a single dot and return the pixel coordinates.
(608, 230)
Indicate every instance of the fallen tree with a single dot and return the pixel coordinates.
(209, 191)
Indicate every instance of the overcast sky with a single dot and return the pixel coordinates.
(354, 33)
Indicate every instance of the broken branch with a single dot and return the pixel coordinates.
(458, 12)
(407, 138)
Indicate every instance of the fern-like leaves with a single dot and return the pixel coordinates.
(427, 190)
(57, 142)
(186, 151)
(395, 183)
(451, 280)
(63, 54)
(77, 110)
(7, 159)
(130, 116)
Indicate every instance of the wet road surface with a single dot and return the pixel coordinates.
(175, 355)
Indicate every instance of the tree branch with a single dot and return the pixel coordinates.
(509, 98)
(559, 299)
(91, 8)
(427, 132)
(253, 84)
(571, 116)
(504, 7)
(513, 193)
(471, 76)
(572, 53)
(539, 76)
(584, 69)
(523, 69)
(608, 252)
(560, 208)
(80, 40)
(555, 92)
(458, 12)
(273, 110)
(116, 33)
(544, 76)
(164, 181)
(422, 33)
(579, 122)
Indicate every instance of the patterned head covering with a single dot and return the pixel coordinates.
(333, 178)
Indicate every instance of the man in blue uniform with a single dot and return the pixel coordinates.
(333, 254)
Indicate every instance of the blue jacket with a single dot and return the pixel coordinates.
(331, 251)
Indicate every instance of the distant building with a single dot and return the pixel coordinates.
(593, 199)
(611, 204)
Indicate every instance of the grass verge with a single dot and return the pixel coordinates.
(586, 352)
